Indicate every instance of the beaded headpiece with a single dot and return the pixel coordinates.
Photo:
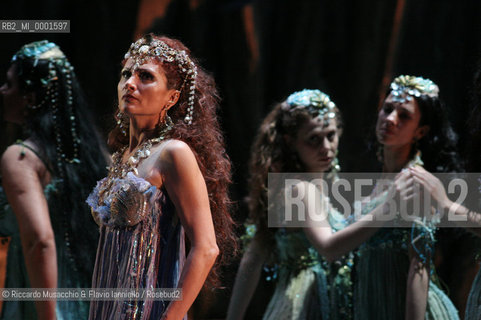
(147, 47)
(57, 62)
(404, 88)
(316, 101)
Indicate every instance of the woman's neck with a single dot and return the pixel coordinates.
(395, 158)
(141, 129)
(137, 139)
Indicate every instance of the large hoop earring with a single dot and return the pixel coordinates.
(165, 126)
(168, 121)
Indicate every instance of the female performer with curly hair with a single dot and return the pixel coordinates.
(299, 135)
(170, 175)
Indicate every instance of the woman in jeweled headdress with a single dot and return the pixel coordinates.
(46, 178)
(313, 278)
(471, 215)
(167, 185)
(395, 276)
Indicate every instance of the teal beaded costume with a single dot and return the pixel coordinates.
(309, 287)
(382, 267)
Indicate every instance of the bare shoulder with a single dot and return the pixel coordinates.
(172, 158)
(15, 156)
(17, 160)
(174, 146)
(175, 151)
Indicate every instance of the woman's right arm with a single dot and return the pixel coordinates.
(24, 190)
(333, 246)
(247, 278)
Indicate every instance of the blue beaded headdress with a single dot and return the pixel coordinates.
(404, 88)
(315, 100)
(57, 62)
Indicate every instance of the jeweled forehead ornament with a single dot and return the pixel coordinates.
(316, 101)
(404, 88)
(143, 49)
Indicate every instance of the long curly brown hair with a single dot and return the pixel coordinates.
(272, 153)
(205, 139)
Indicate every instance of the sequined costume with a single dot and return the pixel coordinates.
(382, 268)
(141, 246)
(308, 287)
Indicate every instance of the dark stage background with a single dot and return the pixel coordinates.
(261, 51)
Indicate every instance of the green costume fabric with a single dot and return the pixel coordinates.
(309, 287)
(382, 268)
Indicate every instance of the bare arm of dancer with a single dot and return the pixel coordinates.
(247, 278)
(334, 245)
(22, 181)
(416, 288)
(186, 187)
